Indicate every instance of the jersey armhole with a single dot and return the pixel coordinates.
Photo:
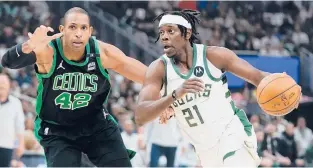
(164, 79)
(47, 75)
(206, 66)
(103, 71)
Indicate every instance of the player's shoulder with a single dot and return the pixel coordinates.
(158, 63)
(101, 44)
(215, 53)
(107, 48)
(219, 56)
(156, 68)
(216, 50)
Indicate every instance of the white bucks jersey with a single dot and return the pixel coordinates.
(202, 117)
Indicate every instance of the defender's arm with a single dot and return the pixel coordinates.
(35, 50)
(150, 106)
(113, 58)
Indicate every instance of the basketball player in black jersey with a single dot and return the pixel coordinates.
(74, 83)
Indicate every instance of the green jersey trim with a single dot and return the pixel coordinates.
(229, 154)
(69, 61)
(165, 76)
(206, 66)
(39, 94)
(241, 115)
(194, 61)
(53, 64)
(37, 127)
(243, 118)
(103, 71)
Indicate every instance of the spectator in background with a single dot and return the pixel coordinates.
(34, 154)
(308, 157)
(11, 123)
(280, 124)
(299, 37)
(132, 141)
(281, 51)
(287, 148)
(269, 144)
(165, 139)
(23, 78)
(255, 121)
(303, 136)
(187, 156)
(266, 161)
(8, 37)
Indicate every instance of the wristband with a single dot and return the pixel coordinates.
(174, 95)
(19, 52)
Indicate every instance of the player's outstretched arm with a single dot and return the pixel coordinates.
(113, 58)
(150, 106)
(232, 63)
(32, 51)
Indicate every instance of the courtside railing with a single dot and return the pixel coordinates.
(108, 30)
(306, 59)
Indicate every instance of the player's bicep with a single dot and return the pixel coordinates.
(111, 56)
(153, 82)
(242, 68)
(149, 92)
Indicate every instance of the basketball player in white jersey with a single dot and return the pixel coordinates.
(192, 81)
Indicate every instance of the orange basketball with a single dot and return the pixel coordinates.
(278, 94)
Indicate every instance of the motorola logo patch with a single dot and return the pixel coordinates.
(199, 71)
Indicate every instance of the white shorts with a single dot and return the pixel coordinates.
(234, 149)
(239, 158)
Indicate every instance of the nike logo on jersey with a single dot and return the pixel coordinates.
(60, 65)
(199, 71)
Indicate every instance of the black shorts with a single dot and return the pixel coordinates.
(99, 139)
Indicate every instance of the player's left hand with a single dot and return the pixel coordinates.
(166, 115)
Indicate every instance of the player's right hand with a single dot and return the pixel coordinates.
(193, 85)
(39, 40)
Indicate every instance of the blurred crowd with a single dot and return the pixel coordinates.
(276, 28)
(271, 28)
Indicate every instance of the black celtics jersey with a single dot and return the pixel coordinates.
(72, 92)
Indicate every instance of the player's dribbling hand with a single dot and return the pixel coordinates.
(193, 85)
(39, 39)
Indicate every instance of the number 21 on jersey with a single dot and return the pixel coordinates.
(188, 112)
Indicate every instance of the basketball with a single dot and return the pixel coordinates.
(278, 94)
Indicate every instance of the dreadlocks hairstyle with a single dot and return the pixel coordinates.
(191, 16)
